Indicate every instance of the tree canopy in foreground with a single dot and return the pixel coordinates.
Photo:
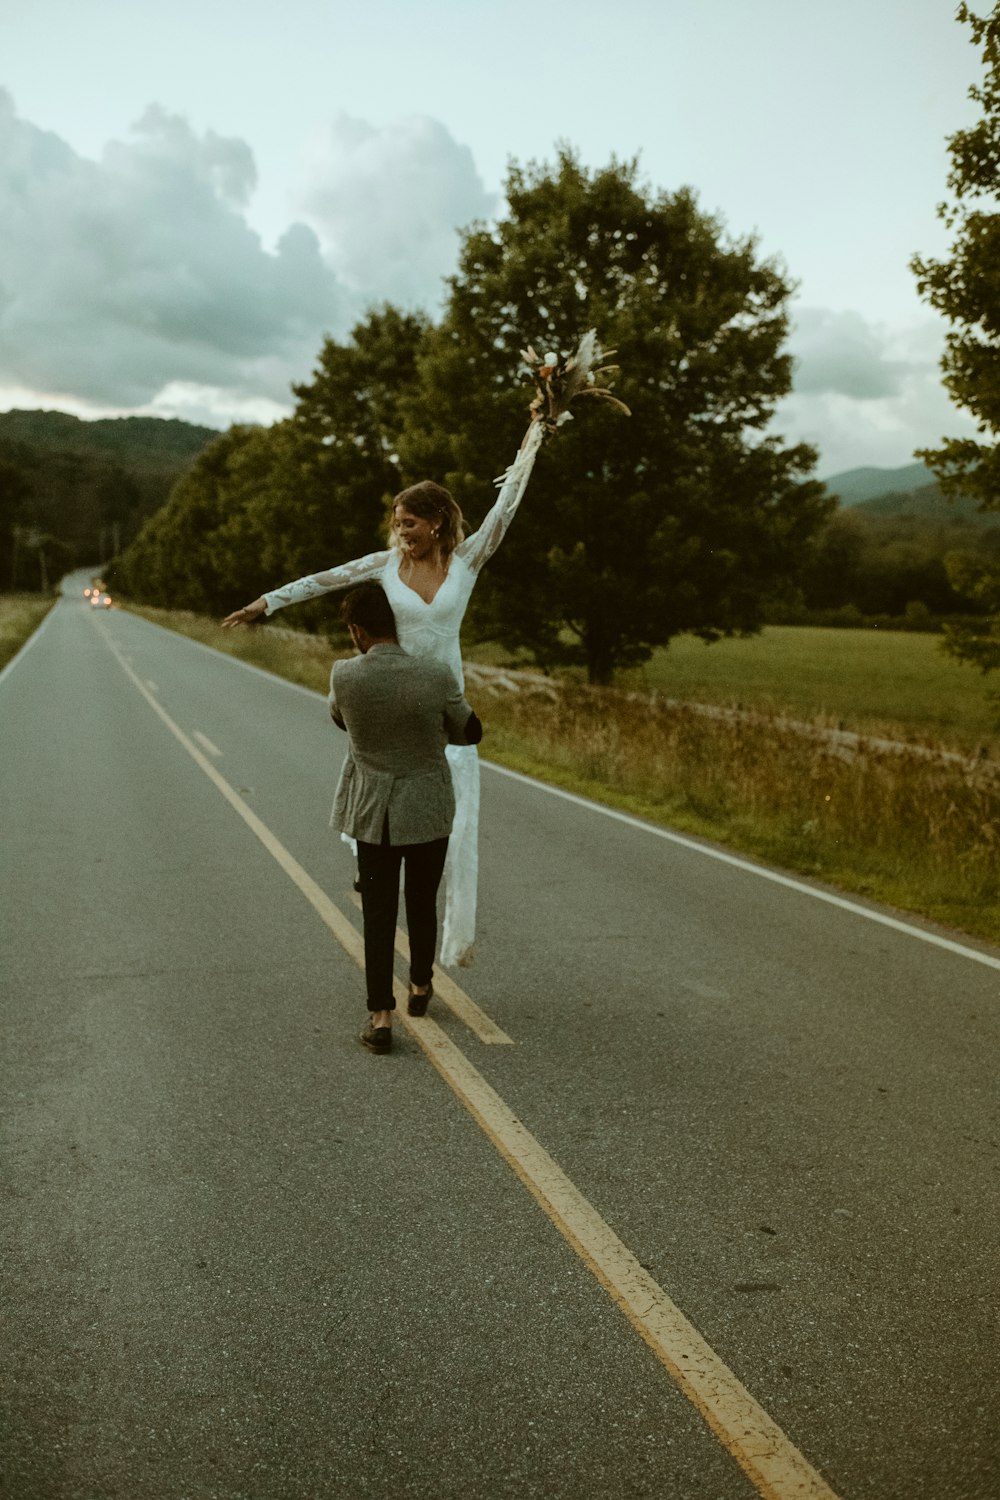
(966, 288)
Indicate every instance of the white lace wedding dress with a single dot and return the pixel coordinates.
(433, 630)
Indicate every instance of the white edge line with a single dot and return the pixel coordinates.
(206, 743)
(788, 881)
(751, 869)
(32, 638)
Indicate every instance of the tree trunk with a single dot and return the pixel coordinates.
(600, 664)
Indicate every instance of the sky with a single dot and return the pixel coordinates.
(193, 195)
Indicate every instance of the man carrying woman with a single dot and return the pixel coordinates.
(395, 796)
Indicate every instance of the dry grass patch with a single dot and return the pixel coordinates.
(901, 826)
(899, 684)
(20, 617)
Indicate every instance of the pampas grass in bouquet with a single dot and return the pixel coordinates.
(558, 385)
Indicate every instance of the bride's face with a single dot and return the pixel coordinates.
(417, 535)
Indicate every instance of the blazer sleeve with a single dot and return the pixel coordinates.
(461, 723)
(331, 698)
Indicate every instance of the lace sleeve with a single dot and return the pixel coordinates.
(482, 544)
(315, 584)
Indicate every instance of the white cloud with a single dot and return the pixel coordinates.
(387, 204)
(841, 352)
(208, 406)
(120, 276)
(866, 393)
(136, 283)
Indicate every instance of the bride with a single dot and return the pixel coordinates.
(428, 573)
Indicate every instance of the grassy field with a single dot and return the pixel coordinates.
(20, 615)
(898, 684)
(919, 833)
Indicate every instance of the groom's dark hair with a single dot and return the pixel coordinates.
(368, 607)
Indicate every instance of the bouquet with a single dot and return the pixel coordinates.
(557, 384)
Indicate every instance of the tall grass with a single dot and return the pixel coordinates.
(919, 832)
(899, 826)
(20, 616)
(899, 684)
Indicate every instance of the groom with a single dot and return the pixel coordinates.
(395, 793)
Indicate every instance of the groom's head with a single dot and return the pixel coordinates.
(368, 615)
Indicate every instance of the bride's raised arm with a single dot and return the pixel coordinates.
(360, 570)
(557, 386)
(482, 544)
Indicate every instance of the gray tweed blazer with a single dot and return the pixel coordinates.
(399, 712)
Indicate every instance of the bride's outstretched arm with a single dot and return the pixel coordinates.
(482, 544)
(310, 587)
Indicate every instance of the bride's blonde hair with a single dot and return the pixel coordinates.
(431, 502)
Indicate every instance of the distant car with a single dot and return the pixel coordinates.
(99, 600)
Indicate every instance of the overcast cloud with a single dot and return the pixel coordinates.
(136, 282)
(864, 389)
(387, 205)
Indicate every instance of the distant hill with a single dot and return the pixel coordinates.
(85, 486)
(141, 439)
(855, 486)
(910, 493)
(927, 504)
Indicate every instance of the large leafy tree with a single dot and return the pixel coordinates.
(179, 559)
(683, 517)
(263, 505)
(965, 287)
(15, 489)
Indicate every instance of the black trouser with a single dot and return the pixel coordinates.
(378, 871)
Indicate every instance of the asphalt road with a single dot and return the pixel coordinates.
(243, 1258)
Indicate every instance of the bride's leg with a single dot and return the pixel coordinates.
(462, 868)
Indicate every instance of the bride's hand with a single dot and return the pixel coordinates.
(251, 614)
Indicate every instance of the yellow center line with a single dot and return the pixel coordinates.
(458, 1002)
(766, 1455)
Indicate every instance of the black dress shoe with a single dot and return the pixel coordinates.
(416, 1005)
(376, 1038)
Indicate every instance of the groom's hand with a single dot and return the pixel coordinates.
(473, 729)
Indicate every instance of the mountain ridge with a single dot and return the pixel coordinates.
(855, 486)
(50, 429)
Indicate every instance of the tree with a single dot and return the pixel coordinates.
(680, 518)
(263, 505)
(966, 288)
(179, 559)
(15, 489)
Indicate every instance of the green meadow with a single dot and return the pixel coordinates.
(894, 683)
